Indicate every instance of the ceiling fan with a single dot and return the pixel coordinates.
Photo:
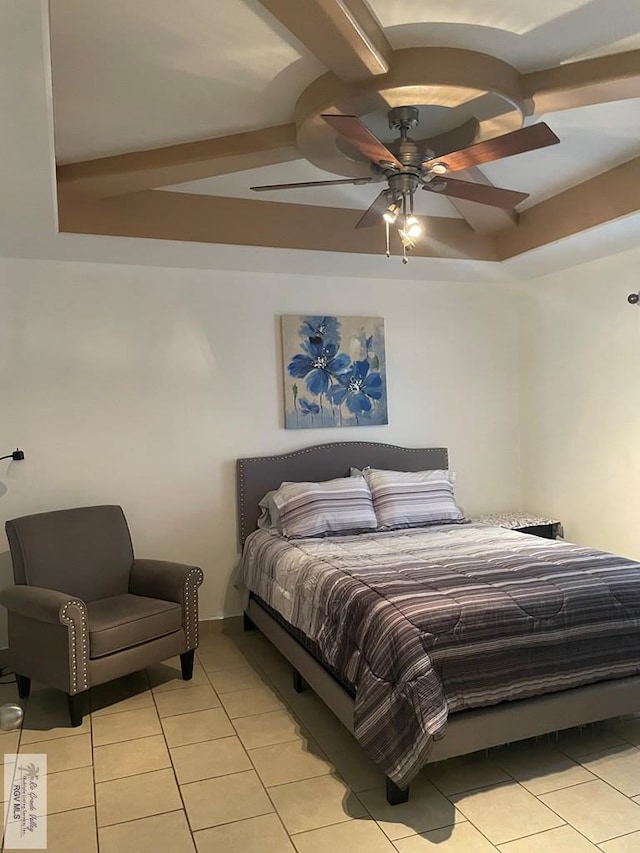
(408, 165)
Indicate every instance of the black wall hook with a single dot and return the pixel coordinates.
(633, 298)
(17, 455)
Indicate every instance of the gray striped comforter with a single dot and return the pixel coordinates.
(432, 621)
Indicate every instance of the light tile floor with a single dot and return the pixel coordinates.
(235, 761)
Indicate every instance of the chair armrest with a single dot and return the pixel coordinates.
(170, 582)
(49, 606)
(161, 579)
(36, 602)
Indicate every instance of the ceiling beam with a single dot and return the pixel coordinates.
(608, 196)
(176, 164)
(590, 81)
(167, 215)
(344, 34)
(483, 218)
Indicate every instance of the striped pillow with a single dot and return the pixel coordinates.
(315, 509)
(412, 499)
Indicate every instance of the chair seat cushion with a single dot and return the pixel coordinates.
(123, 621)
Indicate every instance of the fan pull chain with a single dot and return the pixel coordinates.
(387, 230)
(405, 259)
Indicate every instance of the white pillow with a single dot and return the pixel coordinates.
(413, 498)
(343, 505)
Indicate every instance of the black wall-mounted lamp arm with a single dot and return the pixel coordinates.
(17, 456)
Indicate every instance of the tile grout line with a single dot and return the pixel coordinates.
(575, 759)
(135, 819)
(93, 772)
(566, 823)
(131, 820)
(247, 753)
(466, 819)
(577, 762)
(266, 789)
(173, 769)
(335, 773)
(255, 770)
(538, 798)
(616, 837)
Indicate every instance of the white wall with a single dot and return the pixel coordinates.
(141, 386)
(580, 395)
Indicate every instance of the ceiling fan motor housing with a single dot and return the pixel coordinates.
(403, 118)
(404, 182)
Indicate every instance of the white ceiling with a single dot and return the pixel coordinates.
(529, 34)
(592, 140)
(136, 74)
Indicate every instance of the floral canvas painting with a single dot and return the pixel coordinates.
(334, 371)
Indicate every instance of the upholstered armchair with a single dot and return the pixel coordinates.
(84, 611)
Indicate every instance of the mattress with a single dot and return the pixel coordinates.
(429, 622)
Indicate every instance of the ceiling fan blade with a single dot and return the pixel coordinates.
(494, 196)
(361, 138)
(373, 214)
(296, 186)
(517, 142)
(452, 140)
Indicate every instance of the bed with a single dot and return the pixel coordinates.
(360, 685)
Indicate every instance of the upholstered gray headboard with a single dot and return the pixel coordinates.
(259, 474)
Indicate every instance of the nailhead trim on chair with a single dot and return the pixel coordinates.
(192, 581)
(79, 646)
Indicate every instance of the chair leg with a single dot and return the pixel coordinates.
(75, 708)
(186, 662)
(395, 795)
(24, 685)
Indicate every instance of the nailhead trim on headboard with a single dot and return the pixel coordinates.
(242, 463)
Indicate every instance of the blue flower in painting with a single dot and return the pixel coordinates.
(308, 408)
(358, 388)
(319, 365)
(325, 328)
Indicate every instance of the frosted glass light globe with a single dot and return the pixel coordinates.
(11, 716)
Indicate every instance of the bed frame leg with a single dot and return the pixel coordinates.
(299, 684)
(247, 624)
(395, 795)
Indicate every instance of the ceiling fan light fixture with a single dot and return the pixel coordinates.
(391, 213)
(439, 168)
(412, 227)
(408, 242)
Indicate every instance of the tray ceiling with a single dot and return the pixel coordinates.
(138, 77)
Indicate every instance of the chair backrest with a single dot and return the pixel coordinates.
(85, 552)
